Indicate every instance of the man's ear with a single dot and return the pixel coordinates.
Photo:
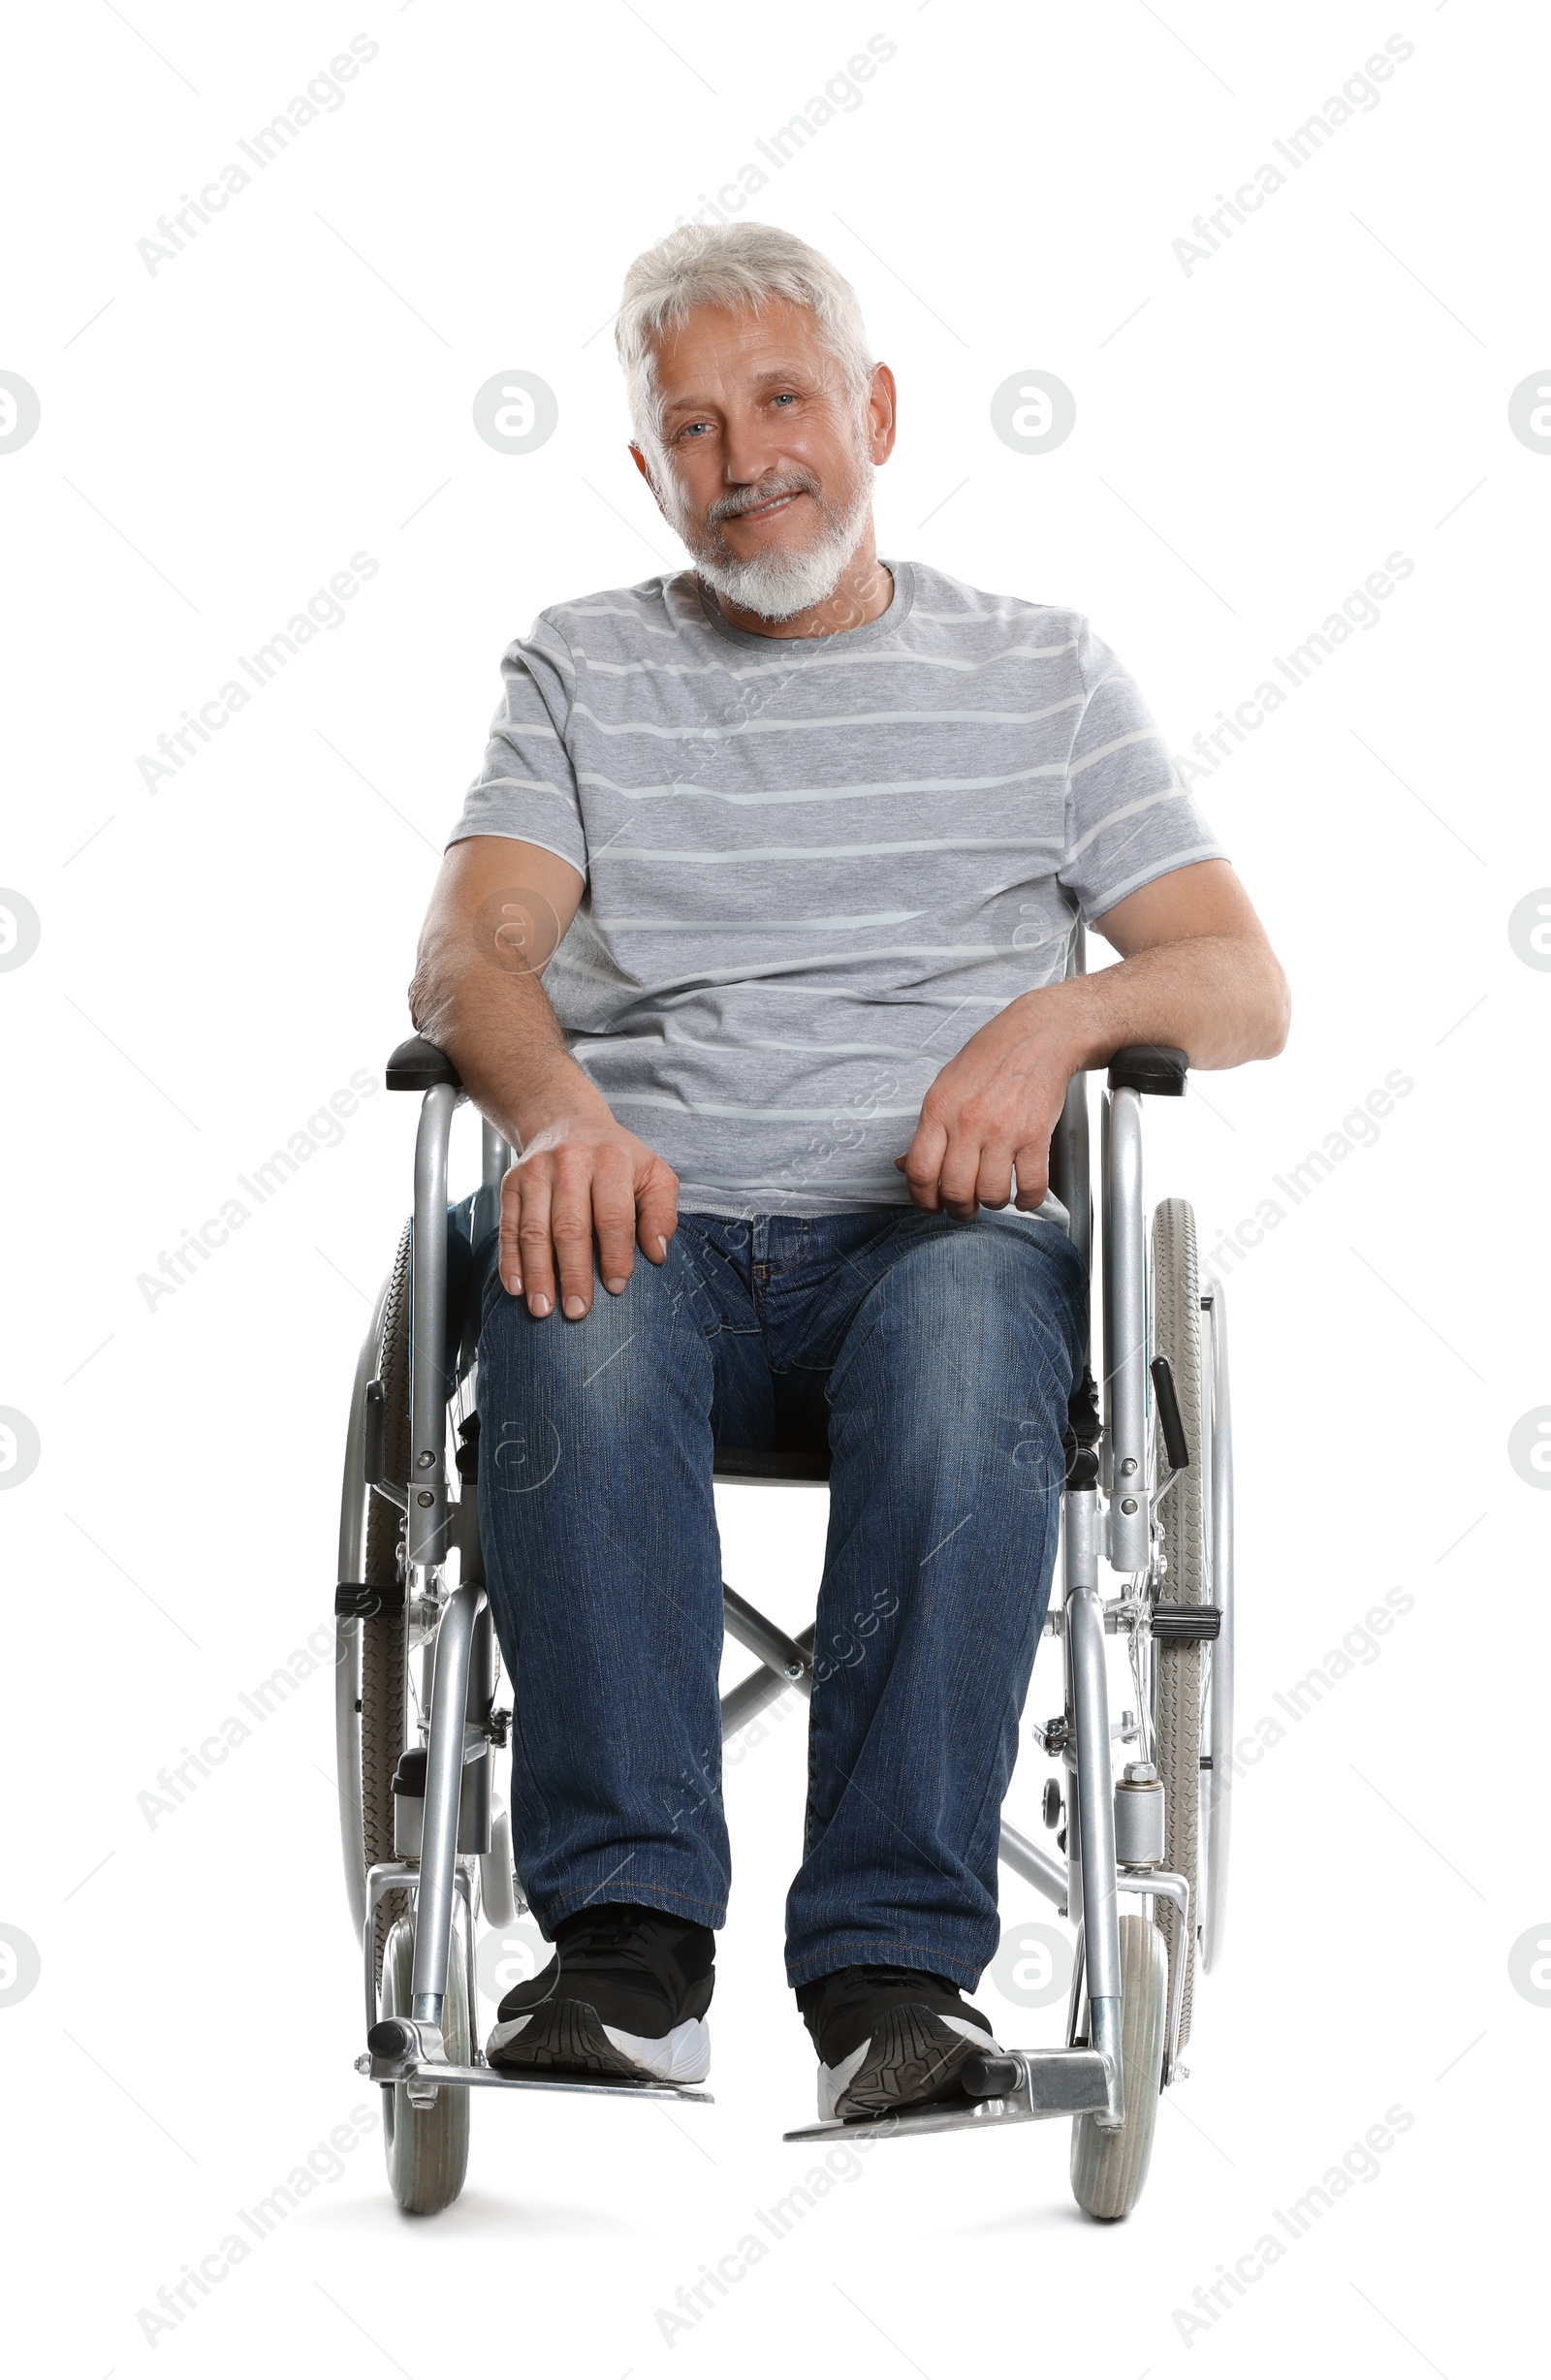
(645, 469)
(883, 413)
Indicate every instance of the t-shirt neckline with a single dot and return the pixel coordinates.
(886, 622)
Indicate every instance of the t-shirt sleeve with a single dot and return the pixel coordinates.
(1129, 817)
(527, 786)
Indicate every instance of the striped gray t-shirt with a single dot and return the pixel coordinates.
(815, 867)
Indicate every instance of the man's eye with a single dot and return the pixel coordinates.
(788, 396)
(691, 428)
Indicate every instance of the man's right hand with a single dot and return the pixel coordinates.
(498, 914)
(582, 1178)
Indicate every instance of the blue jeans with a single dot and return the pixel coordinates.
(935, 1358)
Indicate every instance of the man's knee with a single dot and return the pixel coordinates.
(557, 1350)
(967, 1344)
(970, 1298)
(610, 1369)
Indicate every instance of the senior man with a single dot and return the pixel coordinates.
(753, 938)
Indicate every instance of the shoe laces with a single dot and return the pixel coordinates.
(621, 1935)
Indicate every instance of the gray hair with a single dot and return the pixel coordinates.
(729, 265)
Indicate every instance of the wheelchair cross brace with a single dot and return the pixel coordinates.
(1083, 2078)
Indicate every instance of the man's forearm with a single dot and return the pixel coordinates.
(505, 1038)
(586, 1193)
(1221, 1000)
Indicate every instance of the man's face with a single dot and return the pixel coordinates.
(768, 456)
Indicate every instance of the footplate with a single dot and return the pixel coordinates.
(405, 2059)
(1016, 2087)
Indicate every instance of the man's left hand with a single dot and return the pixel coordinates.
(1196, 973)
(989, 1118)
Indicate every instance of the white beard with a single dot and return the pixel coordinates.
(778, 585)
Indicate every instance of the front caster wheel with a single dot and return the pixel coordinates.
(428, 2147)
(1109, 2168)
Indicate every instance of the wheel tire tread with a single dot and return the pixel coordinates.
(1177, 1335)
(384, 1640)
(1110, 2168)
(426, 2147)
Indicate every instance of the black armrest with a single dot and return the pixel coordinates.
(1146, 1068)
(418, 1065)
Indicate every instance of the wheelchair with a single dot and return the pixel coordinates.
(428, 1844)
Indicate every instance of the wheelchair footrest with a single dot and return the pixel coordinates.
(394, 2057)
(1048, 2083)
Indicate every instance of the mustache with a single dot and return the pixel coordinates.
(749, 499)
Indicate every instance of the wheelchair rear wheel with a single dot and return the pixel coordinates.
(1180, 1510)
(426, 2147)
(384, 1638)
(1110, 2168)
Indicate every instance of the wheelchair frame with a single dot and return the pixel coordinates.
(1107, 1514)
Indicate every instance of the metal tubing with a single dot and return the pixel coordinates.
(397, 1876)
(1074, 1847)
(743, 1703)
(1074, 1998)
(759, 1635)
(1027, 1861)
(1080, 1541)
(496, 1157)
(1093, 1899)
(427, 1351)
(1104, 2036)
(1084, 1620)
(470, 1964)
(1071, 1168)
(475, 1809)
(444, 1778)
(1219, 1791)
(1125, 1332)
(1176, 1889)
(754, 1693)
(1079, 1536)
(444, 2076)
(495, 1154)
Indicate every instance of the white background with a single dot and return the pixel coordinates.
(1253, 437)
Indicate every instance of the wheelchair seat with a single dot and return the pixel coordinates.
(786, 1467)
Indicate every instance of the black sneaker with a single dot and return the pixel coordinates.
(625, 1994)
(889, 2038)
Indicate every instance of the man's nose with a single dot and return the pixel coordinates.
(752, 454)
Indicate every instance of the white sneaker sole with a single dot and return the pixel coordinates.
(906, 2060)
(570, 2034)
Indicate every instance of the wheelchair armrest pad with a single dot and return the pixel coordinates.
(1149, 1068)
(418, 1065)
